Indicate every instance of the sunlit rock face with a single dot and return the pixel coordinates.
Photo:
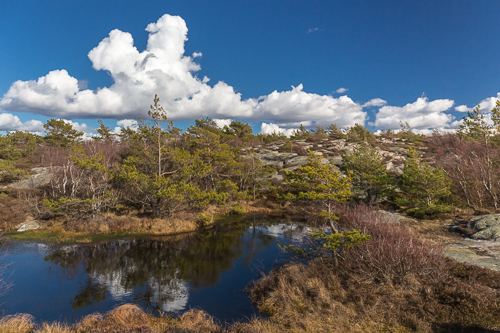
(330, 150)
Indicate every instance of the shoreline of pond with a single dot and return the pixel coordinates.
(57, 234)
(160, 274)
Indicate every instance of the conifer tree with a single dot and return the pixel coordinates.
(424, 186)
(61, 133)
(368, 172)
(335, 132)
(319, 183)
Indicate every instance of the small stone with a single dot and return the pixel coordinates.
(27, 226)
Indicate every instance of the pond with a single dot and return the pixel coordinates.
(207, 270)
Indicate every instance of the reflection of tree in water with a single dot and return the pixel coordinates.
(92, 292)
(159, 272)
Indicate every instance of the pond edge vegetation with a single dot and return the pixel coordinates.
(365, 272)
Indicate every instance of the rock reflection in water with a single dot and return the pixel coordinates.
(162, 273)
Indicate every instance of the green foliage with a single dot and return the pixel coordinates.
(238, 209)
(335, 132)
(163, 195)
(319, 183)
(405, 133)
(272, 137)
(221, 160)
(78, 208)
(200, 199)
(321, 244)
(9, 173)
(8, 151)
(61, 133)
(17, 144)
(476, 126)
(238, 129)
(301, 133)
(358, 133)
(368, 172)
(103, 132)
(424, 186)
(320, 132)
(287, 147)
(203, 220)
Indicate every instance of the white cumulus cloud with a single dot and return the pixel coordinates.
(275, 128)
(421, 114)
(341, 90)
(486, 104)
(223, 122)
(375, 102)
(9, 122)
(164, 69)
(295, 105)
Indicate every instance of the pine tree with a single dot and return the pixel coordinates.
(61, 133)
(104, 133)
(319, 183)
(424, 186)
(368, 172)
(335, 132)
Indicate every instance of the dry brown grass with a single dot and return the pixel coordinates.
(20, 323)
(393, 283)
(53, 328)
(11, 212)
(128, 318)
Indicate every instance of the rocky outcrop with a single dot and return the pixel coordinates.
(486, 226)
(481, 253)
(393, 217)
(393, 153)
(41, 177)
(27, 226)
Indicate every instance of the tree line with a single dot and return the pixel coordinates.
(160, 170)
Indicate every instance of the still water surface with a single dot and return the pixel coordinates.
(206, 270)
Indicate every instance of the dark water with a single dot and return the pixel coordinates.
(206, 270)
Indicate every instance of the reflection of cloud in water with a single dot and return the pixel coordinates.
(114, 283)
(172, 295)
(294, 231)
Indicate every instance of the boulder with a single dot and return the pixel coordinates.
(337, 160)
(487, 226)
(27, 226)
(41, 178)
(299, 160)
(398, 149)
(271, 158)
(393, 217)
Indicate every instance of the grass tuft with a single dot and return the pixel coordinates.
(19, 323)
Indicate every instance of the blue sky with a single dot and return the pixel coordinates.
(425, 62)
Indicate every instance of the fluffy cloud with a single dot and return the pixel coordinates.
(341, 90)
(275, 128)
(132, 123)
(295, 105)
(125, 123)
(223, 122)
(9, 122)
(421, 114)
(486, 104)
(375, 102)
(164, 69)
